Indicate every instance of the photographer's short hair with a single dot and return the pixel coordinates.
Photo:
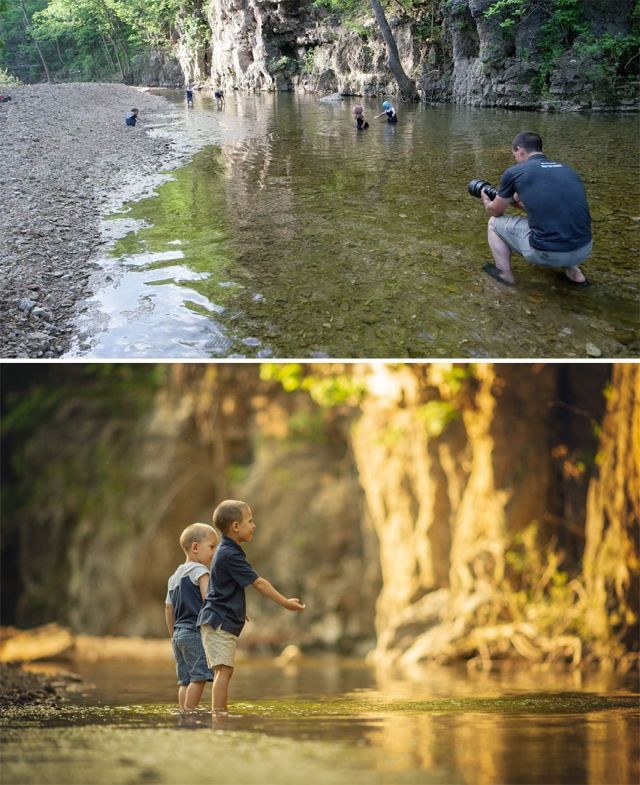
(227, 512)
(195, 532)
(529, 141)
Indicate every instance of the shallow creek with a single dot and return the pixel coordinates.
(331, 722)
(293, 235)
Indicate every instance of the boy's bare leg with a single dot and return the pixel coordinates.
(182, 694)
(501, 253)
(193, 694)
(220, 691)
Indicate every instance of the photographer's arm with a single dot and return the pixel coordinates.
(496, 207)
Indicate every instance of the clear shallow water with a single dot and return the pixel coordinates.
(331, 722)
(295, 236)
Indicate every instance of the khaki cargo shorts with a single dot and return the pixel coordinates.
(515, 232)
(219, 646)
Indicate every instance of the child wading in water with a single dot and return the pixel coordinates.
(224, 611)
(387, 109)
(186, 591)
(361, 123)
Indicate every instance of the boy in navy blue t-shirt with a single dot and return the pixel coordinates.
(224, 611)
(186, 590)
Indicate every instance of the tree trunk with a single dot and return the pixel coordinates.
(116, 53)
(29, 29)
(407, 86)
(612, 558)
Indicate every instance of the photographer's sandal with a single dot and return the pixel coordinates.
(490, 269)
(576, 284)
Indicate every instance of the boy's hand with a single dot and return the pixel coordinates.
(294, 604)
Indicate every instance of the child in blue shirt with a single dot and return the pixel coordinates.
(387, 109)
(132, 118)
(224, 611)
(186, 590)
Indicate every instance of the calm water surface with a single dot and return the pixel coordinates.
(331, 722)
(293, 235)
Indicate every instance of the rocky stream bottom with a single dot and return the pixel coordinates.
(67, 158)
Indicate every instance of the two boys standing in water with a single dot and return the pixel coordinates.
(205, 621)
(387, 109)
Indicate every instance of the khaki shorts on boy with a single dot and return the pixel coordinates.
(219, 646)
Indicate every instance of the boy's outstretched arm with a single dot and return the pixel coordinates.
(264, 587)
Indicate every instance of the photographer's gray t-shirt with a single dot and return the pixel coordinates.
(555, 201)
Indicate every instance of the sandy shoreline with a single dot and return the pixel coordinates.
(67, 159)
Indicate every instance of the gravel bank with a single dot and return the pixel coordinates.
(67, 158)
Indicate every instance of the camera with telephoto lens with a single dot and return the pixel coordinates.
(475, 188)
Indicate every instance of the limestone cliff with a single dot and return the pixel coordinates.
(541, 57)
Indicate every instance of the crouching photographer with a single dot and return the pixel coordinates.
(557, 230)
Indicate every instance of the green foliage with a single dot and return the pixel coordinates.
(89, 39)
(327, 390)
(509, 12)
(237, 474)
(283, 65)
(309, 58)
(609, 60)
(341, 8)
(308, 427)
(436, 416)
(538, 590)
(108, 389)
(7, 78)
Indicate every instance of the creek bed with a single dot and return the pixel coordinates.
(293, 235)
(331, 721)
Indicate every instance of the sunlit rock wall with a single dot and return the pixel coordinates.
(453, 469)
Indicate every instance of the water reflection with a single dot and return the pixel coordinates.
(335, 722)
(367, 245)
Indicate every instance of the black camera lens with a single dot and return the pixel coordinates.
(476, 187)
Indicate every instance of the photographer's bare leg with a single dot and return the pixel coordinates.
(501, 253)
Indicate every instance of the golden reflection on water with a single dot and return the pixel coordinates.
(335, 723)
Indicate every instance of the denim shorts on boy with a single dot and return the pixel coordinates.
(219, 646)
(515, 232)
(191, 663)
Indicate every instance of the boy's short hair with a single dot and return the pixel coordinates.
(135, 110)
(530, 142)
(195, 532)
(227, 512)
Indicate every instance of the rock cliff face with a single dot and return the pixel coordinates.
(455, 53)
(113, 495)
(443, 515)
(452, 480)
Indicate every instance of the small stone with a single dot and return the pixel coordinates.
(593, 350)
(26, 304)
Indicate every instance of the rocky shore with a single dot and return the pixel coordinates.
(68, 158)
(19, 687)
